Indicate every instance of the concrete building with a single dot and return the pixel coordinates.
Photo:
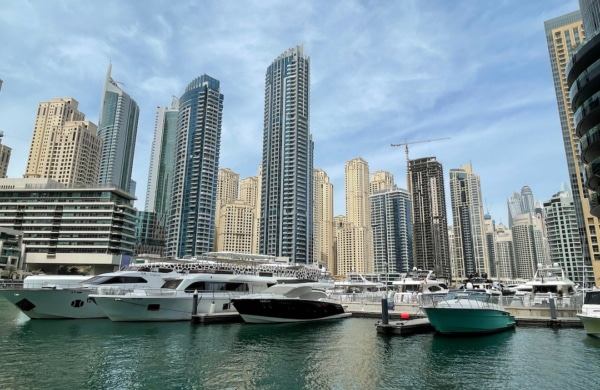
(489, 231)
(381, 181)
(564, 35)
(64, 146)
(191, 229)
(287, 164)
(358, 215)
(528, 242)
(91, 228)
(235, 231)
(392, 231)
(228, 185)
(4, 156)
(323, 234)
(11, 252)
(250, 193)
(118, 129)
(469, 229)
(430, 224)
(564, 240)
(504, 253)
(351, 244)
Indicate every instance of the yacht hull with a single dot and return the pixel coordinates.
(53, 304)
(174, 308)
(469, 320)
(590, 324)
(259, 310)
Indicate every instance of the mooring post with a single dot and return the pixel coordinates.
(552, 304)
(385, 316)
(195, 303)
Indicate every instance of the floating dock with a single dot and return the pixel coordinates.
(216, 318)
(405, 328)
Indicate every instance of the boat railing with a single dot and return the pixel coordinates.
(10, 284)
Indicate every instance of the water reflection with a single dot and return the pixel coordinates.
(340, 355)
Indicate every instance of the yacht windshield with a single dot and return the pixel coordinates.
(172, 284)
(592, 298)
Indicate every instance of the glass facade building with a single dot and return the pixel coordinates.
(392, 231)
(118, 129)
(191, 230)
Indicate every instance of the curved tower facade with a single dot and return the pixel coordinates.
(191, 229)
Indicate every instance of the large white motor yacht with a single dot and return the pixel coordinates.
(59, 296)
(174, 301)
(417, 282)
(550, 282)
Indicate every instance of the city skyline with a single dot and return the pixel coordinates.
(478, 131)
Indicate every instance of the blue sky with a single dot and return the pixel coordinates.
(382, 72)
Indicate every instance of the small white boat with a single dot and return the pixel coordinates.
(590, 313)
(550, 282)
(288, 303)
(357, 284)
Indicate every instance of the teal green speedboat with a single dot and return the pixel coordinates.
(469, 312)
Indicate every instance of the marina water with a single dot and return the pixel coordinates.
(345, 354)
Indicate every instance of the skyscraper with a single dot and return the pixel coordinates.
(467, 210)
(193, 197)
(358, 214)
(228, 185)
(430, 224)
(162, 161)
(152, 223)
(504, 252)
(64, 147)
(4, 156)
(489, 230)
(392, 231)
(323, 220)
(564, 240)
(527, 200)
(564, 35)
(250, 193)
(381, 181)
(118, 129)
(236, 227)
(287, 163)
(528, 243)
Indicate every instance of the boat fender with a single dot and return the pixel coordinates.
(404, 316)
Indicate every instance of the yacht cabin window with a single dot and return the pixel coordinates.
(217, 286)
(97, 280)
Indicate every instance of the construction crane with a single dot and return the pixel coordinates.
(406, 144)
(422, 141)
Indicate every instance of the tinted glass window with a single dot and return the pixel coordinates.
(124, 280)
(172, 284)
(592, 298)
(216, 286)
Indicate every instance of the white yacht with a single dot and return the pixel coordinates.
(58, 296)
(356, 284)
(174, 301)
(419, 281)
(590, 313)
(550, 281)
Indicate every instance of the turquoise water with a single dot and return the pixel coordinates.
(99, 354)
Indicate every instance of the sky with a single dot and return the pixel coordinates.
(381, 73)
